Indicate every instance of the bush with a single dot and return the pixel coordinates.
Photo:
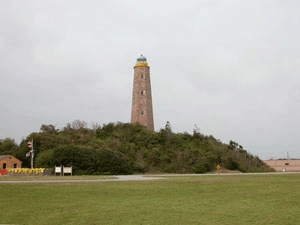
(112, 162)
(201, 168)
(232, 164)
(88, 161)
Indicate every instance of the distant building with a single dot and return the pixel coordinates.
(141, 111)
(8, 161)
(284, 165)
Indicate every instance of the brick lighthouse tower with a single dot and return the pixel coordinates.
(141, 111)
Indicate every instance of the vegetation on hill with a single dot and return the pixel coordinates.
(124, 148)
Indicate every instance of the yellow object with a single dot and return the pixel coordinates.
(218, 167)
(26, 170)
(141, 64)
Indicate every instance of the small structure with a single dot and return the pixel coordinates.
(284, 165)
(9, 161)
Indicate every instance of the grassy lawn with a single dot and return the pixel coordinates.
(251, 199)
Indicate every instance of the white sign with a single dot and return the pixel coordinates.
(67, 169)
(57, 169)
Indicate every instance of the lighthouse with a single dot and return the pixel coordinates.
(141, 111)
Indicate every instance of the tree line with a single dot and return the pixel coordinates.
(125, 148)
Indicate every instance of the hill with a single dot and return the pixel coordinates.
(124, 148)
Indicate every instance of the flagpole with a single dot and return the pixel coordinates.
(32, 154)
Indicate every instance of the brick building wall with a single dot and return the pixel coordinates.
(142, 111)
(9, 161)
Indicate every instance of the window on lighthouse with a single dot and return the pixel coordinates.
(142, 76)
(143, 92)
(142, 112)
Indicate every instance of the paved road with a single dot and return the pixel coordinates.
(224, 174)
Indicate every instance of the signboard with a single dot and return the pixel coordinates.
(218, 167)
(62, 170)
(67, 170)
(57, 169)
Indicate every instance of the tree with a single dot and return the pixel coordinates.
(48, 128)
(8, 147)
(77, 124)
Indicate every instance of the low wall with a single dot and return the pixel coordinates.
(288, 165)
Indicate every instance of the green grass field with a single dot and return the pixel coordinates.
(250, 199)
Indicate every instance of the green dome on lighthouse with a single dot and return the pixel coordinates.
(141, 61)
(141, 58)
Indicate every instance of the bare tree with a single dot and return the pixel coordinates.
(77, 124)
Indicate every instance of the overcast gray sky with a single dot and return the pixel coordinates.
(230, 67)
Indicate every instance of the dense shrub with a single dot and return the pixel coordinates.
(202, 167)
(80, 158)
(112, 162)
(232, 164)
(85, 160)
